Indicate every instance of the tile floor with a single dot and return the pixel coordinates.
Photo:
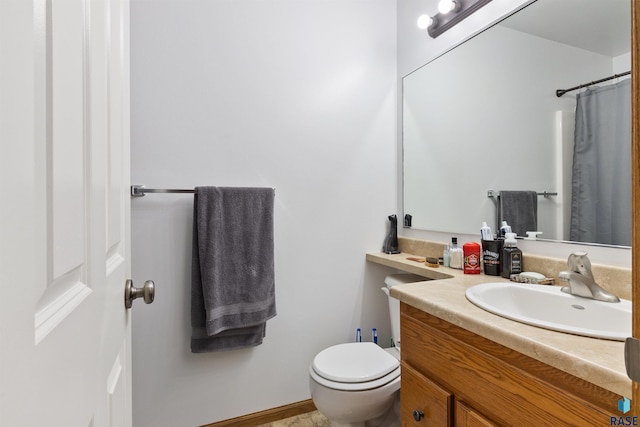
(312, 419)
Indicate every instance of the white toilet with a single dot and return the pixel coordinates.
(358, 384)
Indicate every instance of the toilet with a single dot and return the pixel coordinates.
(358, 384)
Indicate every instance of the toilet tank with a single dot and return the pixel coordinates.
(394, 304)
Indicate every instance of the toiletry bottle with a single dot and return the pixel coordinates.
(511, 257)
(485, 232)
(471, 252)
(455, 254)
(446, 256)
(504, 229)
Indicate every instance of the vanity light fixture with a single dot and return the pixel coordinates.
(446, 6)
(424, 22)
(450, 13)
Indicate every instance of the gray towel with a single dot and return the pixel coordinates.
(520, 210)
(232, 281)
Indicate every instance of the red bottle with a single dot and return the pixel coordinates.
(471, 258)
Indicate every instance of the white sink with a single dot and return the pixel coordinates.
(548, 307)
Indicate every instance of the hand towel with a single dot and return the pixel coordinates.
(520, 210)
(233, 285)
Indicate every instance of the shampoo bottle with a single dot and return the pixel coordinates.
(511, 257)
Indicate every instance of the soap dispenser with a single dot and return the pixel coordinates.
(511, 256)
(390, 245)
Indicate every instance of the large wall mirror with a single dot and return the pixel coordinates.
(484, 118)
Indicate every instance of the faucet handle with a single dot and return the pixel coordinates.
(564, 276)
(579, 262)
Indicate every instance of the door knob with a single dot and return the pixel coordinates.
(418, 415)
(147, 292)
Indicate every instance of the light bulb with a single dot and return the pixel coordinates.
(446, 6)
(424, 21)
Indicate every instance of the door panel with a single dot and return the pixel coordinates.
(66, 208)
(64, 213)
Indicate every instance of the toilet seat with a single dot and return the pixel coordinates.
(354, 367)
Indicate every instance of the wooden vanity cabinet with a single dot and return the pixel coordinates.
(454, 377)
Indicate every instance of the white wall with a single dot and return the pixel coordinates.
(416, 48)
(622, 63)
(299, 95)
(295, 94)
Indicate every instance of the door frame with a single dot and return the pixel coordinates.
(635, 180)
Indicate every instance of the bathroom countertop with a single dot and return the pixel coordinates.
(598, 361)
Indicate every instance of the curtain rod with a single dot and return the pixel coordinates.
(560, 92)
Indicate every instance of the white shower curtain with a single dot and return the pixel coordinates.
(601, 198)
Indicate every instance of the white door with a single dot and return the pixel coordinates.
(64, 213)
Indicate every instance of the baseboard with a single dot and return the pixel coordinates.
(268, 416)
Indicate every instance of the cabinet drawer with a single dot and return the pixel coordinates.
(467, 417)
(423, 402)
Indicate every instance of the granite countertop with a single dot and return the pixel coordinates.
(598, 361)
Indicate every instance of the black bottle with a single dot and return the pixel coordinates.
(511, 257)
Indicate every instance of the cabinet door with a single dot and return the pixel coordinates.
(467, 417)
(423, 402)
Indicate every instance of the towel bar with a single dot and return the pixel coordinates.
(493, 193)
(141, 190)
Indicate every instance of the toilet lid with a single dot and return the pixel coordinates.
(354, 362)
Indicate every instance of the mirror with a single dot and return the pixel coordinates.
(485, 116)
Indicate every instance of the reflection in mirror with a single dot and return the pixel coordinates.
(485, 117)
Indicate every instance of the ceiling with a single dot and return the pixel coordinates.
(601, 26)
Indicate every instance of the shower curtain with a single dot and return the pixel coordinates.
(601, 197)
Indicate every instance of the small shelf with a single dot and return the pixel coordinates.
(400, 262)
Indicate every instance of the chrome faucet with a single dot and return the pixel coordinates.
(580, 279)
